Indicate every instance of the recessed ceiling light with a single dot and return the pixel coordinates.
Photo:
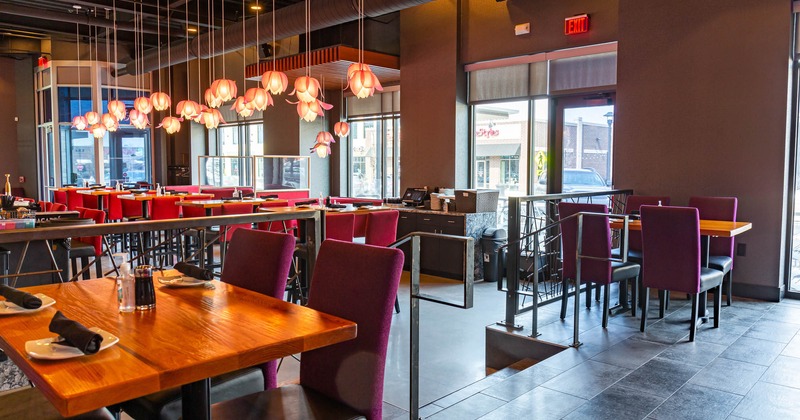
(77, 7)
(256, 7)
(191, 30)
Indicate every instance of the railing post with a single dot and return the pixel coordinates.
(414, 351)
(535, 297)
(578, 252)
(512, 275)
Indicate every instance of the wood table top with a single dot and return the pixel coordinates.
(194, 333)
(355, 210)
(95, 191)
(150, 196)
(723, 228)
(210, 204)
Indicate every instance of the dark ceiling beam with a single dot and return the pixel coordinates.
(72, 17)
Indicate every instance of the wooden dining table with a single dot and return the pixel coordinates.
(708, 229)
(210, 205)
(193, 334)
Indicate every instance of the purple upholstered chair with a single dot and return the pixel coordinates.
(633, 205)
(720, 249)
(671, 245)
(596, 243)
(339, 226)
(344, 380)
(258, 261)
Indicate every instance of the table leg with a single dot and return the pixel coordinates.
(196, 398)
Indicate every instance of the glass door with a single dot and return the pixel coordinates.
(584, 133)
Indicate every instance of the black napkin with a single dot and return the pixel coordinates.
(75, 334)
(194, 271)
(20, 298)
(305, 203)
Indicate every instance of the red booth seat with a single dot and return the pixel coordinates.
(184, 188)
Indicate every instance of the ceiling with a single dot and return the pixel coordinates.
(60, 19)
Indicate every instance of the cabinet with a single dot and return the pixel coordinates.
(443, 257)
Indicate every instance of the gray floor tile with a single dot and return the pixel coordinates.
(469, 391)
(429, 410)
(587, 379)
(664, 332)
(784, 313)
(540, 404)
(784, 371)
(727, 333)
(742, 315)
(522, 382)
(471, 408)
(765, 329)
(660, 377)
(617, 403)
(698, 353)
(769, 401)
(391, 412)
(697, 402)
(630, 353)
(753, 350)
(729, 375)
(568, 358)
(793, 348)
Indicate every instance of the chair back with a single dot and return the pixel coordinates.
(596, 242)
(717, 208)
(60, 197)
(671, 248)
(236, 208)
(359, 283)
(339, 226)
(164, 208)
(634, 203)
(74, 200)
(89, 201)
(115, 205)
(382, 227)
(131, 208)
(58, 207)
(189, 212)
(260, 261)
(45, 205)
(99, 218)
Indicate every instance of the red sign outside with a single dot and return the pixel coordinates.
(576, 24)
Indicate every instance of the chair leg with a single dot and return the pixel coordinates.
(74, 266)
(662, 297)
(634, 293)
(694, 317)
(596, 294)
(396, 305)
(588, 293)
(564, 292)
(98, 266)
(606, 289)
(645, 304)
(728, 287)
(717, 304)
(84, 263)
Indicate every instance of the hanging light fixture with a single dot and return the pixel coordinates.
(341, 128)
(258, 98)
(92, 118)
(79, 121)
(240, 105)
(169, 123)
(138, 119)
(309, 111)
(211, 117)
(160, 100)
(98, 130)
(142, 103)
(360, 78)
(273, 80)
(187, 108)
(110, 122)
(322, 147)
(224, 89)
(115, 107)
(306, 88)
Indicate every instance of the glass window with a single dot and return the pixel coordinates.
(73, 101)
(77, 156)
(501, 146)
(374, 157)
(126, 156)
(588, 142)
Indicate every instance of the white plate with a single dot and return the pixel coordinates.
(46, 349)
(181, 281)
(8, 308)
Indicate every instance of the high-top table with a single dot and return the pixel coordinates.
(194, 333)
(210, 205)
(708, 229)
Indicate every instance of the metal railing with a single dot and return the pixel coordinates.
(416, 296)
(534, 250)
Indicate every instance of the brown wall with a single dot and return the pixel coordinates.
(489, 26)
(430, 84)
(701, 110)
(9, 159)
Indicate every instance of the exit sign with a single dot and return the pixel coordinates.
(576, 24)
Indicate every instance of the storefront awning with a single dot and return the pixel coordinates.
(508, 149)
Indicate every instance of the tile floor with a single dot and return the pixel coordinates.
(745, 369)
